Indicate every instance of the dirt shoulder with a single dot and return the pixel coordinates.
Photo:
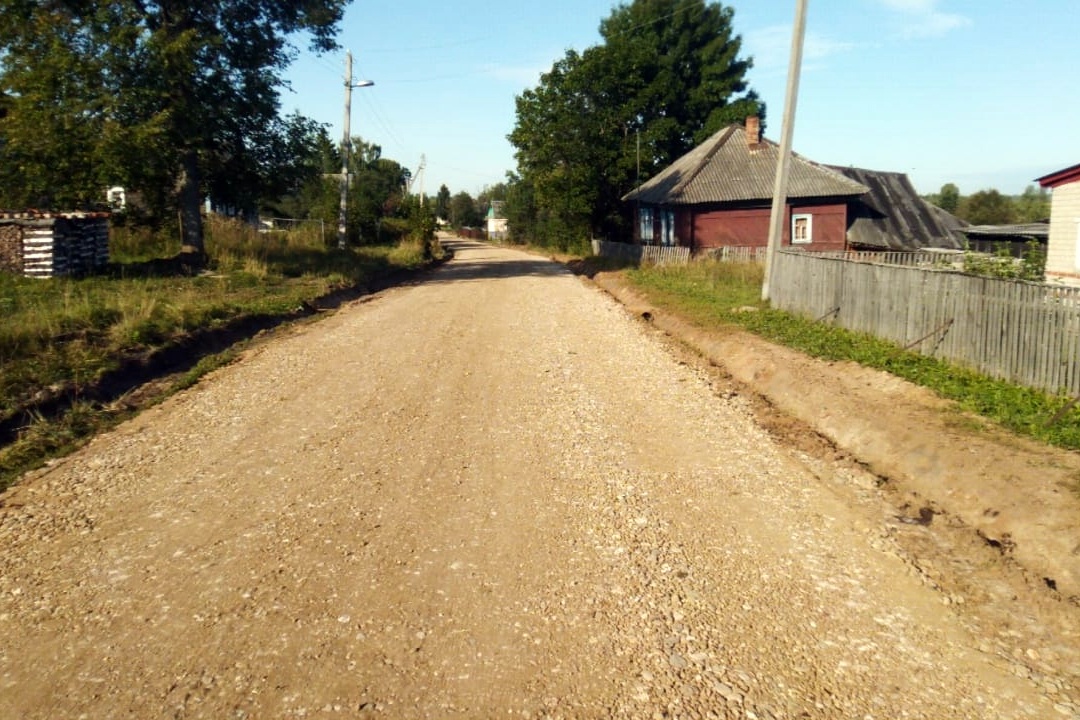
(1021, 498)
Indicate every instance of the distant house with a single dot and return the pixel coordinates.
(1014, 238)
(1063, 246)
(497, 224)
(892, 216)
(720, 195)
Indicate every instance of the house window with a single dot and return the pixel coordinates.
(667, 227)
(802, 229)
(645, 215)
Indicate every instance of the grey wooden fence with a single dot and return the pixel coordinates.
(736, 254)
(1027, 333)
(942, 260)
(659, 254)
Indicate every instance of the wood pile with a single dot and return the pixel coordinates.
(53, 244)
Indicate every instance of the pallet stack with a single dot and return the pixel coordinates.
(47, 245)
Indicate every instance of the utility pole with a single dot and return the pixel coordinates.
(346, 146)
(420, 172)
(778, 217)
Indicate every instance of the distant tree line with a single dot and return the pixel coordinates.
(990, 207)
(666, 75)
(179, 103)
(462, 210)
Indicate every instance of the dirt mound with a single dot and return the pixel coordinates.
(1021, 498)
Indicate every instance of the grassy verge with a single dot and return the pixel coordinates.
(60, 337)
(717, 295)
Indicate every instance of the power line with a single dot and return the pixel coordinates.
(700, 8)
(383, 123)
(381, 120)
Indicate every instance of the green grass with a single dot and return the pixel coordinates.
(63, 334)
(712, 293)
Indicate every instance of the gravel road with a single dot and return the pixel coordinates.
(490, 493)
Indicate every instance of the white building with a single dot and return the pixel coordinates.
(1063, 247)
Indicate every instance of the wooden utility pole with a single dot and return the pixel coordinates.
(346, 146)
(779, 205)
(346, 142)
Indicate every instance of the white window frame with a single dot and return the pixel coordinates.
(795, 218)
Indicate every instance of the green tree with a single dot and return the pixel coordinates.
(169, 97)
(1033, 205)
(442, 203)
(987, 207)
(312, 194)
(948, 198)
(463, 212)
(668, 73)
(376, 190)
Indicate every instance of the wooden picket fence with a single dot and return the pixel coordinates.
(736, 254)
(1026, 333)
(657, 254)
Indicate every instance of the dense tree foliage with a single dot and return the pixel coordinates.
(667, 74)
(987, 207)
(991, 207)
(376, 189)
(173, 98)
(442, 203)
(463, 211)
(1033, 205)
(949, 197)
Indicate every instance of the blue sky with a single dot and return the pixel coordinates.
(983, 93)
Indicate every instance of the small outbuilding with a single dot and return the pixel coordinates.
(53, 244)
(1063, 244)
(891, 217)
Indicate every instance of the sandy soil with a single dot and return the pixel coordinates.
(497, 493)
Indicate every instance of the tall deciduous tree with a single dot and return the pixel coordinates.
(949, 197)
(463, 212)
(171, 96)
(987, 207)
(667, 75)
(1033, 205)
(442, 203)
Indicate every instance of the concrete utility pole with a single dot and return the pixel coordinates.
(779, 204)
(346, 146)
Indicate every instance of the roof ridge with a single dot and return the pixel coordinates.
(720, 142)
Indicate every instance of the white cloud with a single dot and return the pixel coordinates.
(771, 48)
(922, 18)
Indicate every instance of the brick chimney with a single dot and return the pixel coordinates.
(753, 131)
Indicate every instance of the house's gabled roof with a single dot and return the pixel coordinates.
(892, 216)
(1061, 177)
(725, 169)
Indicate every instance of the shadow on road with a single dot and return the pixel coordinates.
(479, 261)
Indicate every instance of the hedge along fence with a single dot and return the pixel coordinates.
(53, 245)
(1022, 332)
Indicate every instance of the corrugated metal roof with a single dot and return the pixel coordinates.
(725, 169)
(1032, 230)
(892, 216)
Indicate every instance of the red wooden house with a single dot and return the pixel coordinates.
(720, 195)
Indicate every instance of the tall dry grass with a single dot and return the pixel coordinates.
(65, 332)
